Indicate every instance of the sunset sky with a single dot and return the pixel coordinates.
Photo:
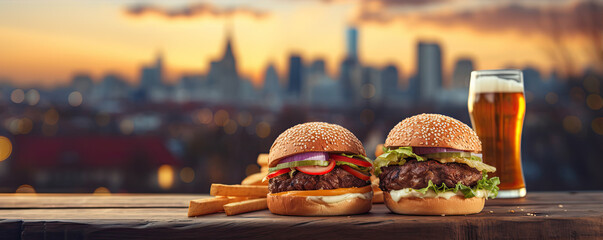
(42, 43)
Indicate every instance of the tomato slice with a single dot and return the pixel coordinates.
(358, 162)
(356, 173)
(317, 170)
(276, 173)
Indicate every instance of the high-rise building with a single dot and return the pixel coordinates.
(350, 70)
(151, 76)
(389, 82)
(318, 67)
(272, 92)
(223, 74)
(348, 74)
(429, 69)
(462, 73)
(295, 76)
(352, 43)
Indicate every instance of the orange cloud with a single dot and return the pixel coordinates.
(192, 11)
(573, 18)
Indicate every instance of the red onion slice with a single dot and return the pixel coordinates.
(430, 150)
(318, 156)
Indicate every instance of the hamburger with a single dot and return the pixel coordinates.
(432, 165)
(318, 169)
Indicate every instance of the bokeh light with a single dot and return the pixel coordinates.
(205, 116)
(368, 91)
(33, 97)
(187, 174)
(126, 126)
(597, 125)
(572, 124)
(594, 101)
(6, 148)
(221, 117)
(17, 95)
(165, 176)
(262, 129)
(75, 99)
(244, 118)
(25, 126)
(230, 127)
(51, 116)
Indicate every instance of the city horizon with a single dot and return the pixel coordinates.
(386, 38)
(175, 78)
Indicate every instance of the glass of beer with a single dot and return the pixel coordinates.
(497, 108)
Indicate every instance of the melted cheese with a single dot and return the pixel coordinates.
(339, 198)
(409, 192)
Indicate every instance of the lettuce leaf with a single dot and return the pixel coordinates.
(488, 184)
(357, 156)
(475, 158)
(354, 166)
(394, 157)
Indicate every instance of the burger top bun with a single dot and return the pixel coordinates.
(433, 130)
(314, 137)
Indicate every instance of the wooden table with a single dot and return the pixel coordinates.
(550, 215)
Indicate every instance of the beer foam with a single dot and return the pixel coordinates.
(490, 83)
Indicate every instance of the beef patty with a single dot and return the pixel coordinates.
(415, 174)
(337, 178)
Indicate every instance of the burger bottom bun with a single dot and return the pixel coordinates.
(456, 205)
(302, 206)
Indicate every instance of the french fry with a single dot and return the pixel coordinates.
(207, 205)
(238, 190)
(263, 160)
(264, 169)
(245, 206)
(254, 179)
(378, 196)
(379, 150)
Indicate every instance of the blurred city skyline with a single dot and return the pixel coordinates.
(118, 37)
(171, 97)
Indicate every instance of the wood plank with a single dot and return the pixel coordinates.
(181, 200)
(577, 222)
(378, 212)
(51, 216)
(9, 201)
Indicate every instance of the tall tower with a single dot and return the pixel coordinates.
(151, 76)
(295, 76)
(429, 69)
(352, 43)
(223, 74)
(462, 73)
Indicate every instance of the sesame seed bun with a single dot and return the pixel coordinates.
(433, 130)
(314, 137)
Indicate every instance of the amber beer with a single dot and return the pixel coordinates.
(497, 108)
